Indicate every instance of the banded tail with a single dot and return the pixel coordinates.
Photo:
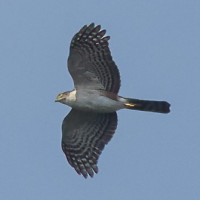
(146, 105)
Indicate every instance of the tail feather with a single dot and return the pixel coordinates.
(146, 105)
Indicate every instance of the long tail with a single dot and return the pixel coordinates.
(145, 105)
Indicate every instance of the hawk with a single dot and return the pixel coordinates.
(92, 120)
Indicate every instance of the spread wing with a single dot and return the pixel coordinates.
(90, 62)
(84, 136)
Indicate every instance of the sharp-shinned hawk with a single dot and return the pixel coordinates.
(93, 120)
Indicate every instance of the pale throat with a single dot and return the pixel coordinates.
(72, 96)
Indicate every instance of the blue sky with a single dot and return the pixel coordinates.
(156, 46)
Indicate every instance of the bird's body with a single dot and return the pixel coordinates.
(94, 101)
(93, 120)
(106, 102)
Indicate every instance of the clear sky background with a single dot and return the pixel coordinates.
(156, 45)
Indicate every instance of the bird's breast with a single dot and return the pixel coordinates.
(94, 101)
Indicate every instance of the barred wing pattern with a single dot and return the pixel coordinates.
(90, 62)
(84, 136)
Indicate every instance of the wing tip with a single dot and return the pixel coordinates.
(90, 33)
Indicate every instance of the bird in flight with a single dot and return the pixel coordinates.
(92, 121)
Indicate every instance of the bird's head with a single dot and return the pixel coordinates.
(61, 97)
(66, 97)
